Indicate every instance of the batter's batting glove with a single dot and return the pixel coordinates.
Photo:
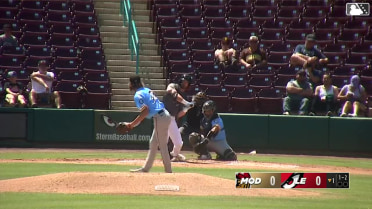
(190, 105)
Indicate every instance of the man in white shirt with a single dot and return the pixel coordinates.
(42, 81)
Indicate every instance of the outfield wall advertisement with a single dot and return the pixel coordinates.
(103, 132)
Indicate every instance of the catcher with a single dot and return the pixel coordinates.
(194, 115)
(212, 136)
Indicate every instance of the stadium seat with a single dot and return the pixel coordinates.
(288, 14)
(258, 83)
(208, 69)
(210, 81)
(349, 38)
(273, 26)
(262, 14)
(61, 6)
(40, 28)
(63, 28)
(243, 101)
(338, 15)
(68, 93)
(29, 38)
(270, 101)
(96, 77)
(356, 60)
(328, 27)
(236, 14)
(235, 81)
(33, 5)
(70, 76)
(40, 51)
(58, 17)
(269, 37)
(278, 60)
(314, 14)
(66, 52)
(98, 96)
(220, 96)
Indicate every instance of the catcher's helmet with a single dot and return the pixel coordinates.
(209, 105)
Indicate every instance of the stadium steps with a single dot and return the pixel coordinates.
(114, 37)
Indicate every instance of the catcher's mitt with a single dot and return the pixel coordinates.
(123, 128)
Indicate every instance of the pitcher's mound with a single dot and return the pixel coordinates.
(138, 183)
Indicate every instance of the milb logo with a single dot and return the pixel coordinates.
(357, 9)
(245, 180)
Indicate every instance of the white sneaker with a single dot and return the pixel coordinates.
(137, 170)
(178, 158)
(285, 113)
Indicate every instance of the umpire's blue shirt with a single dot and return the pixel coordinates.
(144, 96)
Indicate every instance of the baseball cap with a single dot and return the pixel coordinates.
(225, 40)
(301, 72)
(42, 62)
(12, 74)
(310, 37)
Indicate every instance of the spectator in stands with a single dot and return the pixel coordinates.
(299, 92)
(41, 92)
(354, 96)
(13, 89)
(307, 54)
(253, 55)
(314, 75)
(7, 39)
(226, 56)
(325, 97)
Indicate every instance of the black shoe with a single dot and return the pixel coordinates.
(34, 106)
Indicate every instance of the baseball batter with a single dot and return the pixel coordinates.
(177, 107)
(151, 107)
(212, 136)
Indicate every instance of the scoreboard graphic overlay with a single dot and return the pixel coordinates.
(292, 180)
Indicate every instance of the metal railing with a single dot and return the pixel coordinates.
(133, 41)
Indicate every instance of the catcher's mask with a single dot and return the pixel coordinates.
(209, 108)
(200, 98)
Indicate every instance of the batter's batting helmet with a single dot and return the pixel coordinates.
(185, 77)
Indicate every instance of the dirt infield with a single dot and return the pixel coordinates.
(138, 183)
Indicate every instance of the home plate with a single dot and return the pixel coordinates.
(167, 188)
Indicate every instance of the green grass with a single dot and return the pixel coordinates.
(61, 201)
(305, 160)
(358, 196)
(308, 160)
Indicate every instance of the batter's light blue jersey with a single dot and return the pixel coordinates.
(144, 96)
(221, 134)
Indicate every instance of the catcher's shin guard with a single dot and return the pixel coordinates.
(229, 154)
